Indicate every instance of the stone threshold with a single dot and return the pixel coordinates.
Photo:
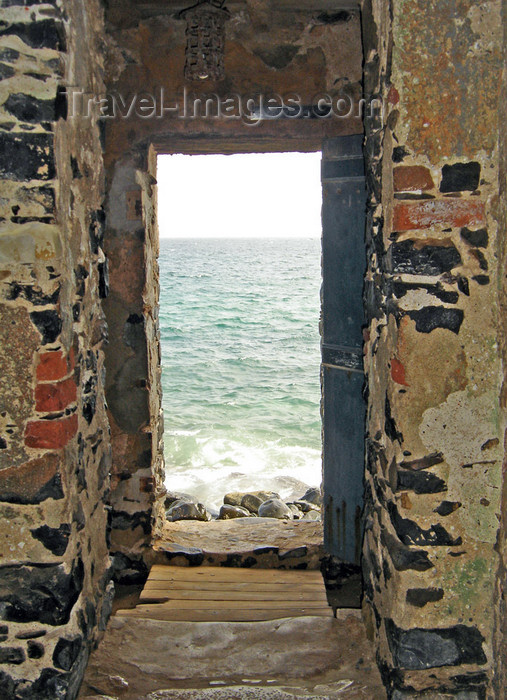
(245, 542)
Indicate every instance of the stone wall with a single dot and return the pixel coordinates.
(436, 423)
(281, 54)
(54, 436)
(500, 648)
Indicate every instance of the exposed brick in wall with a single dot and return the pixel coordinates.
(435, 422)
(54, 442)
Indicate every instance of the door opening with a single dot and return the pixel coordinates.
(239, 321)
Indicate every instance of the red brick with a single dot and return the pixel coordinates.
(398, 372)
(52, 366)
(393, 96)
(55, 397)
(50, 434)
(408, 178)
(451, 213)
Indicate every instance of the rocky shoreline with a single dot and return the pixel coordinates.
(252, 504)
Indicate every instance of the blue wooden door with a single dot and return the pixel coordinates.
(343, 268)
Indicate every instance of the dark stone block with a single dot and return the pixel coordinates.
(121, 520)
(44, 593)
(403, 557)
(60, 105)
(103, 269)
(390, 424)
(448, 296)
(35, 650)
(48, 323)
(335, 17)
(431, 317)
(34, 296)
(12, 655)
(410, 533)
(420, 482)
(6, 71)
(26, 157)
(479, 256)
(43, 34)
(478, 239)
(66, 652)
(418, 649)
(423, 462)
(127, 571)
(89, 407)
(7, 686)
(373, 299)
(9, 55)
(265, 549)
(447, 507)
(481, 279)
(460, 177)
(463, 286)
(31, 635)
(30, 109)
(399, 154)
(55, 539)
(50, 685)
(419, 597)
(407, 257)
(32, 219)
(295, 553)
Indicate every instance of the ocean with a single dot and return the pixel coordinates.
(240, 365)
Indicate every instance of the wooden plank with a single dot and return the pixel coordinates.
(239, 604)
(212, 573)
(158, 612)
(168, 585)
(245, 595)
(206, 594)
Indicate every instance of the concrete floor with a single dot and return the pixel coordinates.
(308, 657)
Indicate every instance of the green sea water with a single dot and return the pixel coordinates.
(240, 365)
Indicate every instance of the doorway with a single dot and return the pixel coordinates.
(239, 322)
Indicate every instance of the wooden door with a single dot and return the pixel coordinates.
(343, 268)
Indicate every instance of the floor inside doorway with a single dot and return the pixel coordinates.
(148, 655)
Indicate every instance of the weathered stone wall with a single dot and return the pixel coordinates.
(435, 420)
(133, 387)
(146, 55)
(54, 441)
(500, 649)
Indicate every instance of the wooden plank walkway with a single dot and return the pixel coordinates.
(220, 594)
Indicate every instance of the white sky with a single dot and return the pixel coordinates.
(253, 196)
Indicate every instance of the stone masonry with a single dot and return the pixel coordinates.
(54, 435)
(81, 484)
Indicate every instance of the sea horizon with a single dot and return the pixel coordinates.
(240, 364)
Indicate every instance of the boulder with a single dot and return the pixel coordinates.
(251, 501)
(275, 508)
(173, 496)
(312, 515)
(228, 512)
(233, 498)
(305, 506)
(184, 510)
(298, 514)
(313, 495)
